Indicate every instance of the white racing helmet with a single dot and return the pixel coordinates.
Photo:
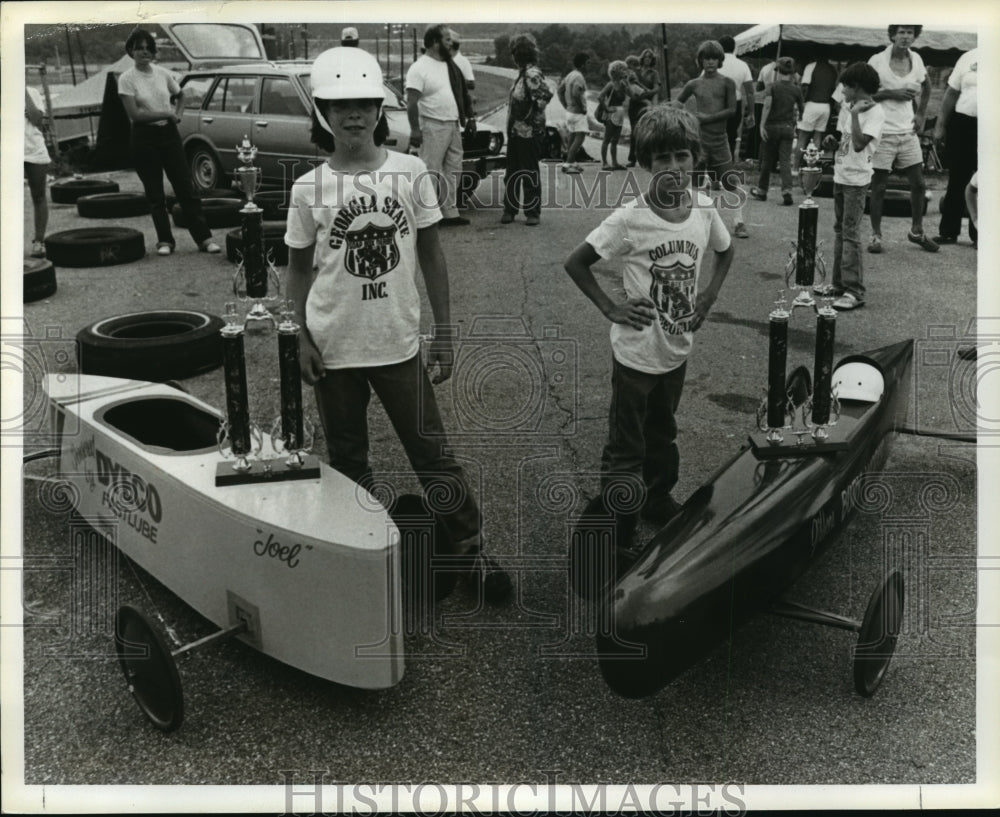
(345, 73)
(858, 380)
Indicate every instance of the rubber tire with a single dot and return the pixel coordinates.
(112, 205)
(274, 240)
(206, 170)
(39, 279)
(158, 345)
(95, 246)
(221, 212)
(149, 669)
(67, 192)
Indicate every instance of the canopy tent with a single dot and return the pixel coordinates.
(846, 43)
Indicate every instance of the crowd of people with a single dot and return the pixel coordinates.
(353, 345)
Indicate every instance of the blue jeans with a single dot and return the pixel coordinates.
(848, 210)
(406, 394)
(777, 147)
(642, 439)
(156, 149)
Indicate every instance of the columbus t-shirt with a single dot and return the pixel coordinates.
(662, 263)
(364, 306)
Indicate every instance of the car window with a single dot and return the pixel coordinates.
(219, 40)
(233, 95)
(195, 89)
(278, 96)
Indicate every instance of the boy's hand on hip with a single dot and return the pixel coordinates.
(635, 312)
(442, 353)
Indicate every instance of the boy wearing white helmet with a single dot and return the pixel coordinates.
(366, 217)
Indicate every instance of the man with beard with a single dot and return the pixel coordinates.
(438, 107)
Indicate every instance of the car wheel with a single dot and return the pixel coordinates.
(39, 279)
(95, 246)
(274, 242)
(224, 212)
(68, 191)
(112, 205)
(158, 345)
(206, 172)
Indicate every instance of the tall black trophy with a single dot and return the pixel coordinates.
(246, 461)
(806, 408)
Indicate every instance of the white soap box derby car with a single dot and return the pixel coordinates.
(307, 571)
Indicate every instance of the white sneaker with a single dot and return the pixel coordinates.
(163, 248)
(37, 249)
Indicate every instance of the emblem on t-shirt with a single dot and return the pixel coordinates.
(371, 251)
(673, 293)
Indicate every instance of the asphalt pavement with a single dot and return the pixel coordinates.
(513, 694)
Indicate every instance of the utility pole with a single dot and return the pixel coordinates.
(69, 51)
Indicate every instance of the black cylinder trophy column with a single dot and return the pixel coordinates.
(826, 328)
(777, 357)
(250, 282)
(806, 260)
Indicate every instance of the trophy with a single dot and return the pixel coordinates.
(255, 269)
(794, 406)
(288, 436)
(805, 260)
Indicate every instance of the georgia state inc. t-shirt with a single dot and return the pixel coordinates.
(662, 262)
(364, 307)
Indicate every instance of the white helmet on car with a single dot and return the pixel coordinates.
(858, 380)
(346, 73)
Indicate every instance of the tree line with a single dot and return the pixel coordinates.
(557, 44)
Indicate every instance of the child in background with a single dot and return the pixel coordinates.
(663, 237)
(783, 106)
(716, 99)
(860, 126)
(615, 96)
(364, 215)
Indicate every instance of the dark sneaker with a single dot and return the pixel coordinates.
(875, 245)
(454, 221)
(506, 218)
(945, 239)
(757, 193)
(660, 510)
(786, 199)
(532, 221)
(922, 239)
(740, 230)
(827, 291)
(487, 572)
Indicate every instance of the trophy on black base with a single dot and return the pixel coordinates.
(287, 435)
(805, 261)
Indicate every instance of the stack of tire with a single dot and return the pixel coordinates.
(95, 246)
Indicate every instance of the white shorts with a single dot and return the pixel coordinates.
(577, 122)
(899, 150)
(814, 117)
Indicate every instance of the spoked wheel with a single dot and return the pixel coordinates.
(149, 669)
(877, 637)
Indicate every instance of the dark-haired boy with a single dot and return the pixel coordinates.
(860, 125)
(663, 238)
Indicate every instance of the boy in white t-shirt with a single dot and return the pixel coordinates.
(367, 217)
(860, 125)
(663, 238)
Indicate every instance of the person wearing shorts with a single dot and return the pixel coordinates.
(905, 89)
(819, 80)
(574, 88)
